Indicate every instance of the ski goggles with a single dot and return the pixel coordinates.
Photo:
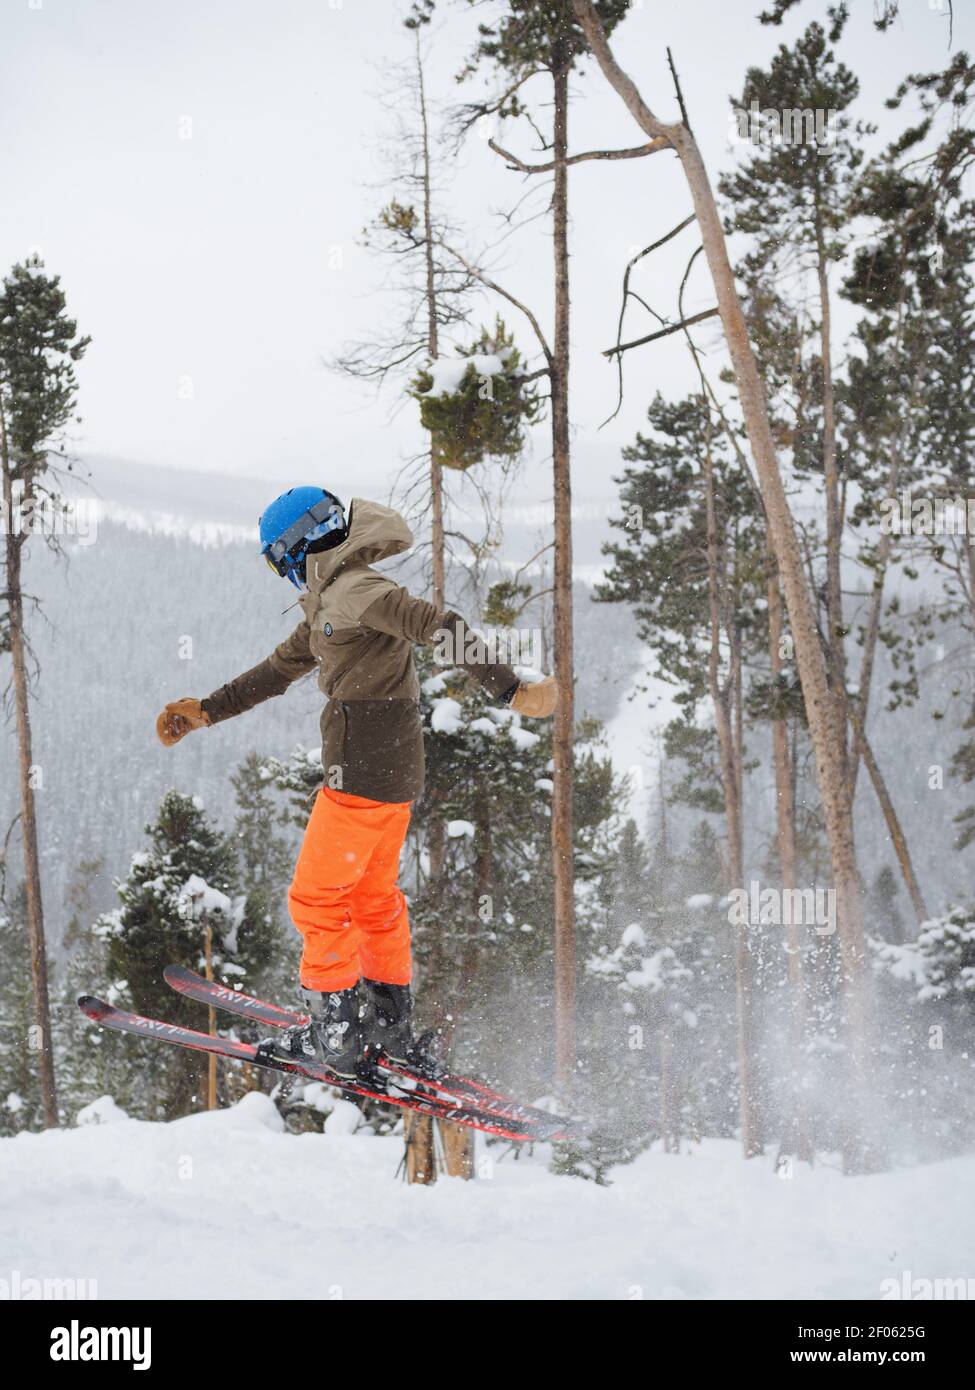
(289, 549)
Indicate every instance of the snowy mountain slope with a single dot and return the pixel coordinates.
(171, 501)
(214, 507)
(226, 1205)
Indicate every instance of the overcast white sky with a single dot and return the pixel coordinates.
(230, 258)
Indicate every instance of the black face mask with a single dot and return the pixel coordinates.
(330, 541)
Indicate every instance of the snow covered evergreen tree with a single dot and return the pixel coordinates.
(187, 880)
(659, 1004)
(929, 1050)
(265, 838)
(20, 1094)
(476, 404)
(483, 942)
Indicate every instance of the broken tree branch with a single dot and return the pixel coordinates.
(894, 828)
(635, 152)
(627, 294)
(677, 89)
(662, 332)
(505, 294)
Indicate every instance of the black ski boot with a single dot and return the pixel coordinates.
(387, 1026)
(333, 1036)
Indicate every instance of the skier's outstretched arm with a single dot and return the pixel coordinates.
(287, 663)
(400, 614)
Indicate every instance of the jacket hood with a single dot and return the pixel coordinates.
(375, 533)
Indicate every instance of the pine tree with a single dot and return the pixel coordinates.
(186, 881)
(266, 843)
(526, 40)
(859, 1152)
(688, 566)
(911, 381)
(483, 946)
(482, 409)
(21, 1106)
(886, 919)
(658, 993)
(39, 347)
(91, 1064)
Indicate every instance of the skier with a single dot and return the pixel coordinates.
(358, 629)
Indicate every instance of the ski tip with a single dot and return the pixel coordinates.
(176, 972)
(91, 1005)
(569, 1134)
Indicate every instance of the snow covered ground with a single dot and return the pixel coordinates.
(228, 1205)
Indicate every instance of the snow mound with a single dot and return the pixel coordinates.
(253, 1111)
(344, 1119)
(231, 1206)
(102, 1111)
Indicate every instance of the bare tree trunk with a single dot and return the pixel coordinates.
(28, 818)
(860, 749)
(885, 549)
(836, 638)
(798, 1137)
(439, 584)
(433, 346)
(669, 1132)
(870, 636)
(563, 731)
(721, 698)
(458, 1140)
(894, 827)
(830, 759)
(858, 710)
(419, 1134)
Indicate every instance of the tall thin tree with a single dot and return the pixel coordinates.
(529, 39)
(830, 758)
(39, 346)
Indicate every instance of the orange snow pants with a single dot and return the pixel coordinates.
(343, 897)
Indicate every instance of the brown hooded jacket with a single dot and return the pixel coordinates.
(359, 629)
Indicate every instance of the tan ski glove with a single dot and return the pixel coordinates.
(178, 719)
(537, 701)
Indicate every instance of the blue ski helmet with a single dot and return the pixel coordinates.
(290, 524)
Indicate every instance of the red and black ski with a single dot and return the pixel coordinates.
(462, 1089)
(124, 1021)
(234, 1001)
